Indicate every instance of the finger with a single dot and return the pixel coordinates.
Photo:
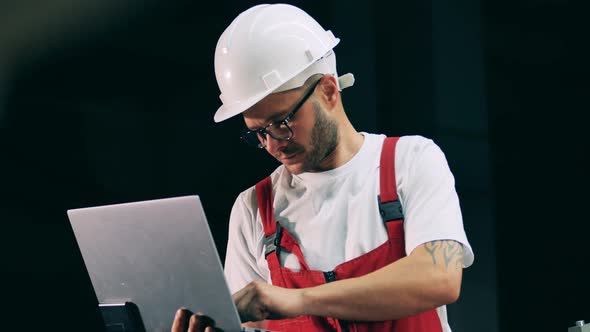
(181, 320)
(243, 304)
(239, 294)
(206, 321)
(245, 296)
(213, 329)
(248, 303)
(199, 323)
(195, 324)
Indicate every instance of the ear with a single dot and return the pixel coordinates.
(329, 90)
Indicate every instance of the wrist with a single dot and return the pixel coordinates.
(306, 302)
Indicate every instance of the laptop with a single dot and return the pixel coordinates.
(150, 258)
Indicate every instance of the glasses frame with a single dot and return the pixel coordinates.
(262, 132)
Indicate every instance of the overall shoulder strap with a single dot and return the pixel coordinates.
(275, 237)
(389, 204)
(264, 198)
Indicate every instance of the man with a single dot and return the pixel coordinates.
(353, 231)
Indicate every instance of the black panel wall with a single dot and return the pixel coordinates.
(119, 108)
(537, 67)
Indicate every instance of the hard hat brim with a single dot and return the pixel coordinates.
(225, 112)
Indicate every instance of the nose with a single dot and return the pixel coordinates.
(274, 146)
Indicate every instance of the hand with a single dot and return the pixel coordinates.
(186, 321)
(259, 300)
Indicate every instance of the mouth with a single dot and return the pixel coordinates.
(287, 158)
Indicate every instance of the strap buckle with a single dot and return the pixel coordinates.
(390, 210)
(273, 242)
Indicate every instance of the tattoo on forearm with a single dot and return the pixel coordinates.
(431, 247)
(451, 252)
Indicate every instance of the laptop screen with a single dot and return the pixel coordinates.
(159, 255)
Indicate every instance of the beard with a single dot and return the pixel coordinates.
(324, 139)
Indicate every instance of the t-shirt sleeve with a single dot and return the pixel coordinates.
(244, 243)
(428, 196)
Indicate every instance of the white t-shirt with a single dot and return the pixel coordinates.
(334, 214)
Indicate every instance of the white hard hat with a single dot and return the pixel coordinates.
(270, 48)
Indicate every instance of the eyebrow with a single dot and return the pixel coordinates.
(275, 118)
(297, 106)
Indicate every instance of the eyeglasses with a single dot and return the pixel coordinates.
(279, 130)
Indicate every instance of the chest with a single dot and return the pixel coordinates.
(333, 221)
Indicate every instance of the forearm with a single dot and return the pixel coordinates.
(409, 286)
(261, 324)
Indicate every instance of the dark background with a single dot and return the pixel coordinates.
(105, 101)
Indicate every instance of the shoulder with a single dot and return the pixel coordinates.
(405, 144)
(415, 144)
(408, 151)
(420, 163)
(417, 149)
(408, 148)
(247, 201)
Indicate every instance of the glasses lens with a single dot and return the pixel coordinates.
(280, 131)
(251, 138)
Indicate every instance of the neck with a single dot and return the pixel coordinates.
(349, 143)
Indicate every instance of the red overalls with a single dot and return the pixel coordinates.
(393, 249)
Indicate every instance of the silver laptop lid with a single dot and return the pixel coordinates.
(158, 254)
